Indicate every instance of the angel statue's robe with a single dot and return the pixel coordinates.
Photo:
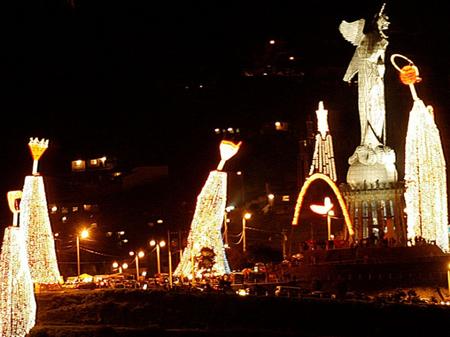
(368, 62)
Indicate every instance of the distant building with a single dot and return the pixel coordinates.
(117, 204)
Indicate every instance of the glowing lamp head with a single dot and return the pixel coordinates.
(115, 265)
(152, 243)
(162, 243)
(227, 150)
(84, 234)
(125, 266)
(322, 209)
(247, 216)
(141, 254)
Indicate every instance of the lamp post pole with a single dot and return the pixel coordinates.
(329, 215)
(448, 277)
(158, 244)
(78, 256)
(225, 229)
(246, 217)
(228, 209)
(158, 262)
(84, 234)
(169, 252)
(137, 255)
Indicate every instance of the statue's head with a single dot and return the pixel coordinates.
(382, 20)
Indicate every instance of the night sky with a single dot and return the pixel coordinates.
(124, 77)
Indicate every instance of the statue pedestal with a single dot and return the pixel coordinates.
(373, 195)
(372, 167)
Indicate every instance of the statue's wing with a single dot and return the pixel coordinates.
(352, 31)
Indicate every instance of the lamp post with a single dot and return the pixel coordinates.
(159, 244)
(169, 254)
(330, 214)
(448, 277)
(83, 235)
(325, 209)
(137, 256)
(247, 216)
(228, 209)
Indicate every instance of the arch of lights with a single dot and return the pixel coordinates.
(304, 189)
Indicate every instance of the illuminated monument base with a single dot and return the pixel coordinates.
(372, 166)
(373, 196)
(377, 213)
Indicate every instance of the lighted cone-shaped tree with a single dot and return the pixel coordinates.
(17, 302)
(35, 221)
(425, 168)
(323, 158)
(205, 253)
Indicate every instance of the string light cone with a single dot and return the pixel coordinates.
(323, 158)
(17, 301)
(35, 222)
(425, 168)
(205, 252)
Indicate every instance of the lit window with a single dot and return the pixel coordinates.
(281, 126)
(94, 162)
(87, 207)
(285, 198)
(64, 210)
(78, 165)
(74, 209)
(54, 209)
(64, 219)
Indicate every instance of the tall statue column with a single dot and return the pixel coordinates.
(373, 162)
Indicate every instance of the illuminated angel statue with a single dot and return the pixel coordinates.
(368, 63)
(205, 251)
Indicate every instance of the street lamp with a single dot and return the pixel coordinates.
(159, 244)
(83, 235)
(325, 209)
(228, 209)
(247, 216)
(137, 256)
(121, 267)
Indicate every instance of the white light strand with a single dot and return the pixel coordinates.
(17, 301)
(35, 221)
(425, 179)
(323, 157)
(205, 229)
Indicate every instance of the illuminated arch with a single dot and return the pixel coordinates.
(336, 191)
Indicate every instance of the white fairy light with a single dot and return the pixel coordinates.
(17, 302)
(207, 222)
(36, 225)
(323, 157)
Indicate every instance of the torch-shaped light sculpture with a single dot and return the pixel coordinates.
(425, 168)
(205, 253)
(37, 149)
(35, 222)
(17, 302)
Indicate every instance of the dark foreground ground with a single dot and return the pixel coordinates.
(139, 313)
